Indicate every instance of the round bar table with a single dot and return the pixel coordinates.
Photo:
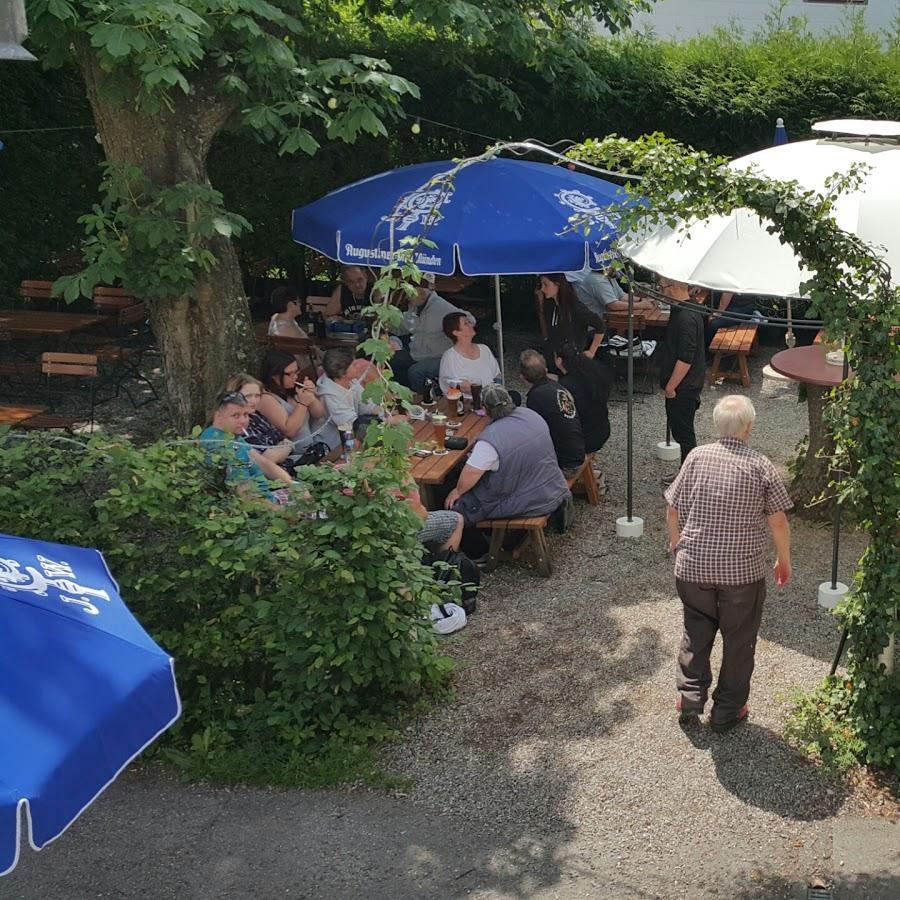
(808, 366)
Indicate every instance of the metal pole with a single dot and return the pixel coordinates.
(499, 326)
(836, 522)
(629, 453)
(840, 650)
(668, 434)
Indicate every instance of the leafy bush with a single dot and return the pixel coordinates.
(287, 631)
(820, 724)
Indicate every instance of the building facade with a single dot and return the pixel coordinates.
(682, 19)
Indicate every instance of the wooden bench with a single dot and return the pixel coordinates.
(37, 290)
(585, 481)
(532, 549)
(738, 341)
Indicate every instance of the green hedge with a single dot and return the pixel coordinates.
(719, 93)
(288, 632)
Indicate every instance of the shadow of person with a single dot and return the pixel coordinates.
(761, 770)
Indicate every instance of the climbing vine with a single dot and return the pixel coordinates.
(851, 292)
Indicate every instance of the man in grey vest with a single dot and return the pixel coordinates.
(512, 471)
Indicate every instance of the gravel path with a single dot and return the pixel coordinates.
(563, 737)
(559, 769)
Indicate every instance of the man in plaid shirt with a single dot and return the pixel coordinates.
(724, 502)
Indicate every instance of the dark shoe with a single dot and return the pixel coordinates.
(728, 724)
(689, 715)
(668, 479)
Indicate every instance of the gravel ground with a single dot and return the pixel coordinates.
(560, 754)
(562, 737)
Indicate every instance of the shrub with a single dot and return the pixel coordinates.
(288, 631)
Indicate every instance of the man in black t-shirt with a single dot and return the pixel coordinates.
(556, 406)
(683, 364)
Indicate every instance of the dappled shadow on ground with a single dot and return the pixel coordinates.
(778, 781)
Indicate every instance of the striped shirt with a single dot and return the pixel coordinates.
(723, 494)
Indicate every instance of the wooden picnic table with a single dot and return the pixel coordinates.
(300, 345)
(654, 318)
(30, 323)
(14, 415)
(430, 471)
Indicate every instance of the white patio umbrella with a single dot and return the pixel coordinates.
(736, 253)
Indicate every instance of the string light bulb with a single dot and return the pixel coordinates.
(332, 103)
(415, 128)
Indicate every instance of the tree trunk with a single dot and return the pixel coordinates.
(204, 335)
(812, 482)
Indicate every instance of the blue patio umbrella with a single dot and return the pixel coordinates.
(501, 217)
(83, 688)
(781, 135)
(496, 217)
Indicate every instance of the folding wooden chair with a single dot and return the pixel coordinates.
(76, 365)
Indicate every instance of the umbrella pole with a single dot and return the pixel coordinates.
(499, 326)
(831, 593)
(630, 525)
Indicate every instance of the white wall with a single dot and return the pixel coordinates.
(687, 18)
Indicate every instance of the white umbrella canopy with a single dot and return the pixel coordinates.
(736, 253)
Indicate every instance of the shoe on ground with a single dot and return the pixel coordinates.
(728, 724)
(668, 479)
(687, 715)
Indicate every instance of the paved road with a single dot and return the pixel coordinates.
(154, 838)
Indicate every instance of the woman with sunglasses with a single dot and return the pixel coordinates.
(260, 433)
(292, 407)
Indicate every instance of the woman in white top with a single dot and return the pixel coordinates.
(284, 322)
(466, 362)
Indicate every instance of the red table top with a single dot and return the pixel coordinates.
(807, 364)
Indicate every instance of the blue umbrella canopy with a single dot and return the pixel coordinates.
(495, 217)
(83, 688)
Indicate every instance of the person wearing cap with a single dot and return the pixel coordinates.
(722, 506)
(423, 321)
(512, 471)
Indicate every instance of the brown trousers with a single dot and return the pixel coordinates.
(736, 611)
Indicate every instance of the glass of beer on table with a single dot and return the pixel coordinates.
(476, 396)
(439, 422)
(454, 392)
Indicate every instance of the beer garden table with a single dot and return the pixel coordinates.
(31, 323)
(431, 471)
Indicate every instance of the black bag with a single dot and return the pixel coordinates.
(313, 454)
(458, 567)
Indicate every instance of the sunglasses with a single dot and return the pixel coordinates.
(231, 397)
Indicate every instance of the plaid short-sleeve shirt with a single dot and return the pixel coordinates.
(723, 494)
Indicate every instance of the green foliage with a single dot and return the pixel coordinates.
(821, 726)
(291, 632)
(154, 239)
(852, 293)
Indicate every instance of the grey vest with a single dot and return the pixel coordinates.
(528, 481)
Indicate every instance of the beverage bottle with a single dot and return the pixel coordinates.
(349, 443)
(428, 392)
(460, 406)
(320, 325)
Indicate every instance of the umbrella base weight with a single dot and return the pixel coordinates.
(668, 452)
(829, 596)
(630, 528)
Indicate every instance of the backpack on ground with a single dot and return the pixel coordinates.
(458, 567)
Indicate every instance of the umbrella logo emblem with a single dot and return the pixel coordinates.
(585, 208)
(418, 206)
(58, 575)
